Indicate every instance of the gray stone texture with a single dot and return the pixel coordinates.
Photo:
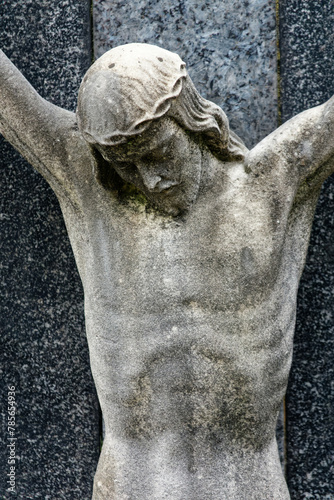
(229, 48)
(43, 345)
(307, 75)
(230, 51)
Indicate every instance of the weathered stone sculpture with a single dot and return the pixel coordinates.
(190, 249)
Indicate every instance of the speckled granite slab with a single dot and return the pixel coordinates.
(307, 71)
(230, 51)
(229, 48)
(43, 346)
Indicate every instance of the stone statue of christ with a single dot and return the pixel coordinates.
(190, 249)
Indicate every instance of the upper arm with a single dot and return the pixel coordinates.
(303, 147)
(39, 130)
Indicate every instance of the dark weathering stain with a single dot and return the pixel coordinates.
(200, 396)
(247, 260)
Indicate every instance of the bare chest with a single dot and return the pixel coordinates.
(227, 249)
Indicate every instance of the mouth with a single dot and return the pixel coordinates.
(165, 187)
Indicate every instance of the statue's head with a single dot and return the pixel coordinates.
(139, 108)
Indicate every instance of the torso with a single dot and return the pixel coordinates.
(190, 320)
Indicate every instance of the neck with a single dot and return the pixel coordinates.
(212, 172)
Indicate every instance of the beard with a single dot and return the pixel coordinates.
(174, 201)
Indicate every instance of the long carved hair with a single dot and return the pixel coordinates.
(132, 85)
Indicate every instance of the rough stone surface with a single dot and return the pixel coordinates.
(43, 346)
(230, 50)
(229, 47)
(307, 72)
(190, 249)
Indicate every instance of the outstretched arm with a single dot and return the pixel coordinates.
(42, 132)
(303, 147)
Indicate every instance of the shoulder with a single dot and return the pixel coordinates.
(68, 160)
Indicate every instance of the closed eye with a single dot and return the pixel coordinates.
(122, 165)
(154, 157)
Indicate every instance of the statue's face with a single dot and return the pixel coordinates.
(163, 162)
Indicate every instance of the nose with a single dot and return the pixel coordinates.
(150, 178)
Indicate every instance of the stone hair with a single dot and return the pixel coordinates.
(132, 85)
(196, 114)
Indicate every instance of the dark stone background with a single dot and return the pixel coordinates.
(307, 79)
(43, 346)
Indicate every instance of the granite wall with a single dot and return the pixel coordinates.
(43, 346)
(307, 79)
